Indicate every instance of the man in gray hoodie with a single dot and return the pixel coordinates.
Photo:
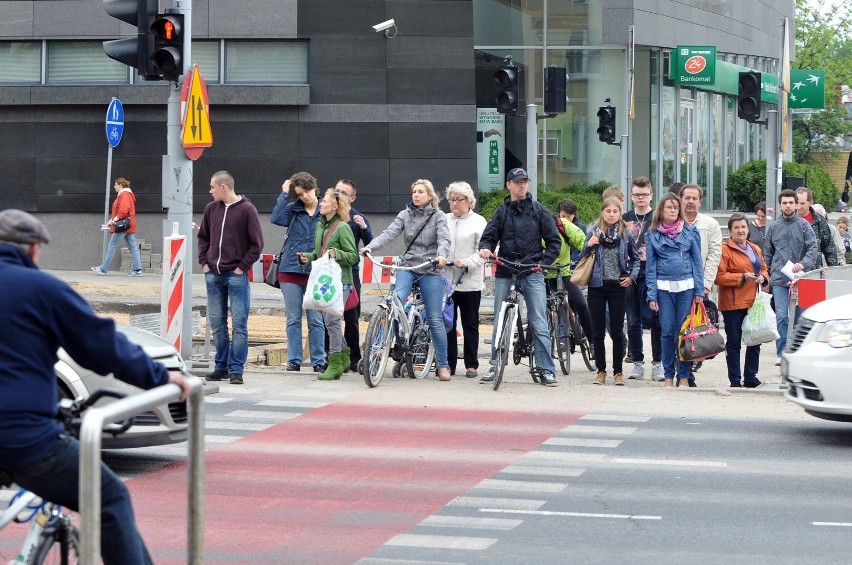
(788, 238)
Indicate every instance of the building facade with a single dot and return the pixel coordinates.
(309, 85)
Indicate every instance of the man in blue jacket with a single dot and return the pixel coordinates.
(39, 314)
(519, 226)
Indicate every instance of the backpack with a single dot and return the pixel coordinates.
(560, 227)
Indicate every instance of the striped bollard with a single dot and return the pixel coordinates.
(171, 306)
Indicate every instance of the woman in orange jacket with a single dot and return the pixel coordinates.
(124, 207)
(741, 271)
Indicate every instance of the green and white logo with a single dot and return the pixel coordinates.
(807, 89)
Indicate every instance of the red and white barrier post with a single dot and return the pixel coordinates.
(171, 305)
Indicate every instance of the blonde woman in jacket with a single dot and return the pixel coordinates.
(741, 271)
(466, 227)
(123, 207)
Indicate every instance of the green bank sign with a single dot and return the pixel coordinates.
(696, 65)
(725, 76)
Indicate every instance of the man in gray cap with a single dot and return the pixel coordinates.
(40, 313)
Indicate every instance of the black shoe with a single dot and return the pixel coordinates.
(753, 384)
(547, 378)
(216, 376)
(697, 365)
(293, 366)
(488, 377)
(692, 383)
(736, 384)
(236, 379)
(320, 367)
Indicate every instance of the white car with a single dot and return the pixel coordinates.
(817, 362)
(160, 426)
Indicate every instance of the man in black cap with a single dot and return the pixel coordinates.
(519, 225)
(40, 313)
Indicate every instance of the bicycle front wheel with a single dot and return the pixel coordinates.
(582, 342)
(376, 347)
(58, 545)
(421, 351)
(559, 319)
(501, 348)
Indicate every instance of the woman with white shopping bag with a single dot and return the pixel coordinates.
(742, 271)
(333, 238)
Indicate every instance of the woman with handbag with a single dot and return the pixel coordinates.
(674, 275)
(300, 213)
(333, 235)
(427, 237)
(122, 225)
(742, 271)
(616, 267)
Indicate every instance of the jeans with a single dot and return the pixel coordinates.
(674, 308)
(293, 294)
(733, 344)
(56, 479)
(610, 297)
(467, 308)
(432, 291)
(781, 294)
(223, 290)
(535, 297)
(114, 240)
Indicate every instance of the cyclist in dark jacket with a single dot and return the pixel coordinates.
(40, 313)
(519, 226)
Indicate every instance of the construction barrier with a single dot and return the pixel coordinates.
(171, 306)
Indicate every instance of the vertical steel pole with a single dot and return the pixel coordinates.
(106, 199)
(532, 149)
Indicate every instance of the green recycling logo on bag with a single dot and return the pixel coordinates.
(324, 289)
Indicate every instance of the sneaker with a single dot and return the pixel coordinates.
(691, 383)
(354, 366)
(101, 272)
(628, 358)
(470, 373)
(235, 379)
(777, 361)
(293, 366)
(135, 273)
(488, 377)
(638, 371)
(736, 384)
(657, 372)
(547, 378)
(619, 379)
(752, 384)
(320, 367)
(216, 376)
(600, 378)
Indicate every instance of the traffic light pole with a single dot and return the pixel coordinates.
(177, 179)
(532, 149)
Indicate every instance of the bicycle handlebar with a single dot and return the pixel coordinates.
(396, 267)
(70, 412)
(534, 267)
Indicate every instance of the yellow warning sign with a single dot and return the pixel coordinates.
(196, 113)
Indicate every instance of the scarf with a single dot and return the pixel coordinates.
(671, 231)
(610, 237)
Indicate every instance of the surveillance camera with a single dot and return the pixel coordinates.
(384, 26)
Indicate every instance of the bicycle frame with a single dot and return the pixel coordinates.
(42, 514)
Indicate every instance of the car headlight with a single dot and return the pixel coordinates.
(837, 333)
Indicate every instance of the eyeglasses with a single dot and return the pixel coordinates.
(457, 200)
(641, 194)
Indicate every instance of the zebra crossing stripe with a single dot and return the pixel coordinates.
(583, 442)
(441, 542)
(521, 486)
(503, 524)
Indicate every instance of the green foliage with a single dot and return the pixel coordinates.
(747, 185)
(821, 133)
(587, 197)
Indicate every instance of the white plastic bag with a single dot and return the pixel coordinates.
(325, 287)
(759, 325)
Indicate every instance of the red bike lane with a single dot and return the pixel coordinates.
(332, 485)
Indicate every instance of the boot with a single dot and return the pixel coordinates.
(345, 356)
(342, 363)
(332, 372)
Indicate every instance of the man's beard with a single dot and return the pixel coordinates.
(786, 215)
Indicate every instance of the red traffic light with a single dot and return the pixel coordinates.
(167, 28)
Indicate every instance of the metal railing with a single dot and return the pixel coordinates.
(90, 465)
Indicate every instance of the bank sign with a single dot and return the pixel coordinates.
(696, 65)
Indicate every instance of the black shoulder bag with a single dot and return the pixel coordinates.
(272, 274)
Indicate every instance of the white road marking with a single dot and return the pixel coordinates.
(543, 471)
(505, 503)
(219, 439)
(504, 524)
(294, 403)
(615, 418)
(382, 561)
(571, 514)
(441, 542)
(669, 462)
(521, 486)
(583, 442)
(564, 456)
(836, 524)
(216, 399)
(263, 414)
(599, 430)
(222, 425)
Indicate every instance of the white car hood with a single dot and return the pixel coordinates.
(839, 308)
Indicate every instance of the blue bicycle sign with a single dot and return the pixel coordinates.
(114, 122)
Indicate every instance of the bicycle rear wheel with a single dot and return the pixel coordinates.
(501, 349)
(376, 347)
(421, 351)
(582, 342)
(559, 319)
(59, 544)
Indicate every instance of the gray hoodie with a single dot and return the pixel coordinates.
(432, 242)
(789, 239)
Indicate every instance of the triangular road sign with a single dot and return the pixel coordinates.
(196, 131)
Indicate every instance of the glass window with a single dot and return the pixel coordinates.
(265, 62)
(205, 54)
(656, 63)
(569, 23)
(20, 63)
(82, 62)
(497, 22)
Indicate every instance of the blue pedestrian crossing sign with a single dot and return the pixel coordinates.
(114, 122)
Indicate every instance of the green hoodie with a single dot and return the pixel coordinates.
(577, 238)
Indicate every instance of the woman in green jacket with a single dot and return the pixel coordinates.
(334, 235)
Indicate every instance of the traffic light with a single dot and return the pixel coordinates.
(606, 124)
(508, 81)
(167, 56)
(555, 82)
(133, 51)
(748, 96)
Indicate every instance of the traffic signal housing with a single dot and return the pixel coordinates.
(606, 124)
(167, 54)
(133, 51)
(508, 96)
(748, 96)
(555, 83)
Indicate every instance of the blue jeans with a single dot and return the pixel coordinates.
(733, 344)
(535, 297)
(432, 290)
(781, 294)
(223, 290)
(56, 479)
(114, 240)
(674, 308)
(293, 294)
